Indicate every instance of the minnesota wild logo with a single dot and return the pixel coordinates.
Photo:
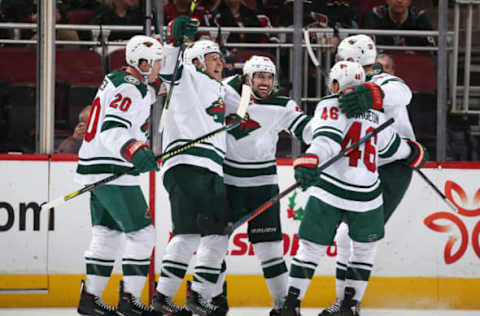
(148, 44)
(217, 110)
(296, 214)
(245, 128)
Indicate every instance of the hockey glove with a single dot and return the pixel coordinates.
(306, 170)
(181, 28)
(361, 98)
(140, 155)
(418, 157)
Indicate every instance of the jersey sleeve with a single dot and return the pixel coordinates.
(391, 147)
(121, 118)
(232, 97)
(396, 93)
(295, 122)
(168, 66)
(328, 126)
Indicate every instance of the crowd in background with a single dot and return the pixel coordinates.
(336, 14)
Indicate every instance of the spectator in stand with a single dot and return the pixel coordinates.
(277, 12)
(120, 12)
(235, 13)
(335, 14)
(175, 8)
(72, 144)
(387, 63)
(399, 15)
(61, 18)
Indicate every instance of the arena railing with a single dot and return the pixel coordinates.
(321, 50)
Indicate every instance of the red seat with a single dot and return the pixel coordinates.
(80, 16)
(117, 59)
(417, 71)
(18, 65)
(79, 67)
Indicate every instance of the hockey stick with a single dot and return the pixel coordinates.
(437, 190)
(238, 117)
(208, 225)
(175, 72)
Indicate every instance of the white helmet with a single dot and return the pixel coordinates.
(198, 51)
(258, 64)
(143, 47)
(347, 74)
(360, 48)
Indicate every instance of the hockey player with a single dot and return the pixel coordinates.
(250, 165)
(395, 176)
(114, 142)
(193, 178)
(349, 189)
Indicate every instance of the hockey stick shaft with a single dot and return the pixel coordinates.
(345, 152)
(242, 109)
(437, 190)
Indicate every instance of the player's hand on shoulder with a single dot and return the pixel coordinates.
(306, 170)
(418, 155)
(140, 155)
(180, 28)
(361, 98)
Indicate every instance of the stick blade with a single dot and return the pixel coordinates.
(244, 100)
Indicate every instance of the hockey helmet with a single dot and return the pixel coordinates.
(141, 47)
(347, 74)
(198, 51)
(358, 48)
(258, 64)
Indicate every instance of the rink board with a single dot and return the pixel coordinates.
(430, 257)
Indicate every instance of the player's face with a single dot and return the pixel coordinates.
(386, 65)
(157, 65)
(262, 84)
(214, 65)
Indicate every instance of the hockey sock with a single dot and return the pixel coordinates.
(304, 264)
(221, 280)
(100, 258)
(179, 252)
(210, 255)
(360, 267)
(136, 259)
(344, 244)
(274, 269)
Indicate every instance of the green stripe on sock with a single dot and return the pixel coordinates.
(275, 270)
(100, 270)
(135, 269)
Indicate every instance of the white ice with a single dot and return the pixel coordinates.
(251, 311)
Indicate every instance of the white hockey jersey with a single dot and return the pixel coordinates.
(251, 147)
(120, 112)
(351, 183)
(196, 108)
(397, 96)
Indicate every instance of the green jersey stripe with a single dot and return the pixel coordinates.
(179, 142)
(348, 194)
(103, 168)
(110, 124)
(251, 163)
(301, 126)
(200, 152)
(332, 136)
(330, 129)
(350, 185)
(392, 149)
(246, 173)
(111, 117)
(100, 158)
(169, 77)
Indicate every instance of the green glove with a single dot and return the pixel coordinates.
(361, 98)
(306, 170)
(180, 28)
(140, 155)
(418, 157)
